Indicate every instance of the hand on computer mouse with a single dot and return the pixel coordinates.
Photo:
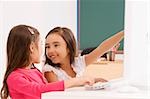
(97, 86)
(100, 80)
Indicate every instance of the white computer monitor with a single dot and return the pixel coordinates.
(136, 43)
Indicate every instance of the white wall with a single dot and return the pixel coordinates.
(136, 42)
(43, 15)
(148, 25)
(1, 47)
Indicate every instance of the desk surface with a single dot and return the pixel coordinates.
(106, 69)
(81, 93)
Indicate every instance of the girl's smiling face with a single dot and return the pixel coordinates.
(56, 48)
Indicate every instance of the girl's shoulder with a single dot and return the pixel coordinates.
(49, 68)
(79, 65)
(79, 60)
(17, 74)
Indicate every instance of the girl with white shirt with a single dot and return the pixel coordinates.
(62, 61)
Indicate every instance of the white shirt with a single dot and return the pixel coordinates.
(78, 67)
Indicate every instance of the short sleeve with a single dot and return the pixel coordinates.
(79, 65)
(47, 68)
(58, 71)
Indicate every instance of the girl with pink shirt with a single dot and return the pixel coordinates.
(22, 80)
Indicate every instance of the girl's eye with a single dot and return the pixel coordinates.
(56, 45)
(47, 47)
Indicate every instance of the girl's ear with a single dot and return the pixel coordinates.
(32, 47)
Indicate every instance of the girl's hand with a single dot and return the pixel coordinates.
(79, 81)
(90, 80)
(84, 80)
(100, 80)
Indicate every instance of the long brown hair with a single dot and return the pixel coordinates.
(18, 51)
(68, 36)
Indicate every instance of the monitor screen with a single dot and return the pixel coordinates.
(136, 43)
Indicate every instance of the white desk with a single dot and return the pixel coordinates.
(81, 93)
(109, 70)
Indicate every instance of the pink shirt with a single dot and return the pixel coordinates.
(29, 84)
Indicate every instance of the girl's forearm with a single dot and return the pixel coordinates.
(109, 43)
(70, 83)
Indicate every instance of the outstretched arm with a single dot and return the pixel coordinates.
(104, 47)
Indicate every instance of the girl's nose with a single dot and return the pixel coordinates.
(51, 50)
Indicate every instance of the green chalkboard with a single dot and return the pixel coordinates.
(98, 20)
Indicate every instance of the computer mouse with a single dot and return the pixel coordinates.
(97, 86)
